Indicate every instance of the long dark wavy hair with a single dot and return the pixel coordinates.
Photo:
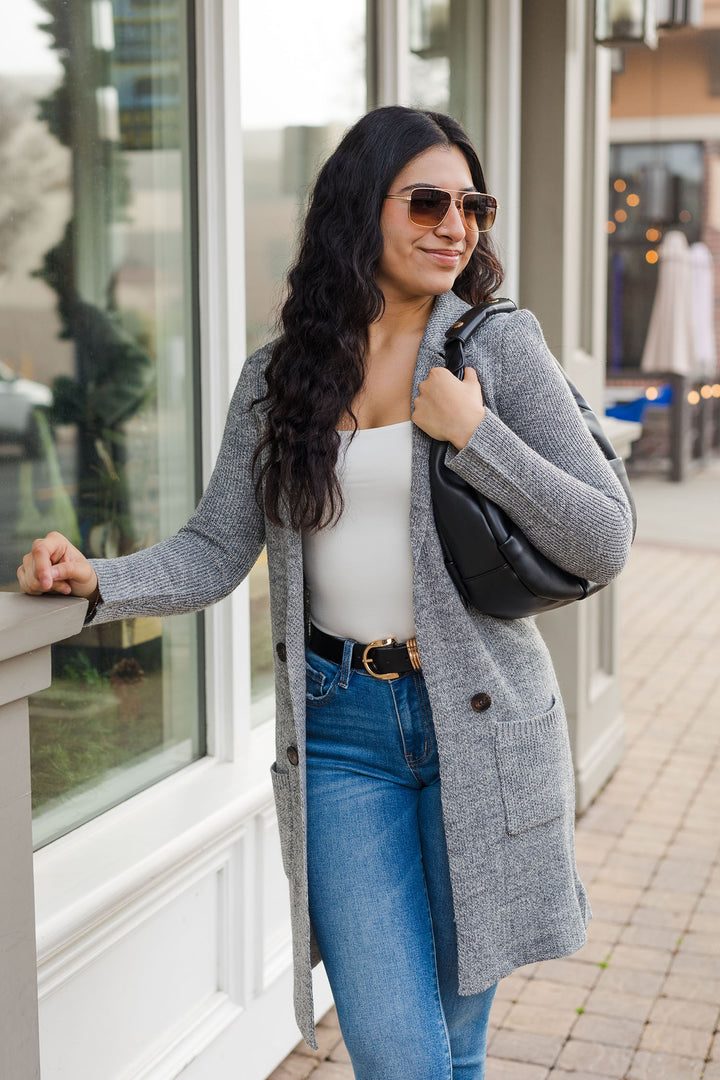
(317, 364)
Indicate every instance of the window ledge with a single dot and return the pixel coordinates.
(83, 878)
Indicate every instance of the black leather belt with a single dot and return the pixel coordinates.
(384, 658)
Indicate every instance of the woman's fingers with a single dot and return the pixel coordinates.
(55, 565)
(35, 573)
(448, 409)
(39, 561)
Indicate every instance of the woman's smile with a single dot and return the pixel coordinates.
(443, 256)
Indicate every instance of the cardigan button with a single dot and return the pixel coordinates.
(281, 651)
(292, 755)
(481, 702)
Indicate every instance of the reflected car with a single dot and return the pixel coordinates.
(19, 401)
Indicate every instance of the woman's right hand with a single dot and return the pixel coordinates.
(55, 565)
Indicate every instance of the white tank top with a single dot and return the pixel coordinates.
(359, 571)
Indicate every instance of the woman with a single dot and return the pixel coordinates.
(424, 791)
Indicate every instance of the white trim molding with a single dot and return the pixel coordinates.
(222, 337)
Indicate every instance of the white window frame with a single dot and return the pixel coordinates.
(87, 875)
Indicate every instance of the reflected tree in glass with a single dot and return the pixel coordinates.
(115, 468)
(114, 374)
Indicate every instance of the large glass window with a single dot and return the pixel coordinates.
(653, 187)
(302, 86)
(97, 395)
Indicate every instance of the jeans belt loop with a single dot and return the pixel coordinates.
(346, 663)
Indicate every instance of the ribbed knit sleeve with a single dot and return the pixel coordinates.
(535, 457)
(209, 556)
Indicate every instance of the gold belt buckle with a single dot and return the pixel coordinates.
(368, 660)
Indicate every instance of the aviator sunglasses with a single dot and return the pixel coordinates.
(428, 207)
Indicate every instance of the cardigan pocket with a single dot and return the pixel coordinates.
(535, 768)
(284, 811)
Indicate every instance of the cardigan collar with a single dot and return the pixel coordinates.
(447, 309)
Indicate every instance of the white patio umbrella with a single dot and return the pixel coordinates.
(670, 345)
(703, 301)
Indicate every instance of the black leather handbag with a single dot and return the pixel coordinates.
(492, 563)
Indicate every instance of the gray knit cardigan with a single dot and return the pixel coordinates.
(506, 771)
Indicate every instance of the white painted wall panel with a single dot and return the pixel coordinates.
(115, 1006)
(190, 973)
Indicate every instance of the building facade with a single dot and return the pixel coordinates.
(155, 156)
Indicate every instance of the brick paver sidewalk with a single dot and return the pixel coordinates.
(641, 1000)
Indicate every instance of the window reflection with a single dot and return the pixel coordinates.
(97, 417)
(654, 187)
(313, 88)
(430, 54)
(446, 60)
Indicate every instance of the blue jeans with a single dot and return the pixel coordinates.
(380, 900)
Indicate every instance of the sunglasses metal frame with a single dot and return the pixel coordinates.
(457, 201)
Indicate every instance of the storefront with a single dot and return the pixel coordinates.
(155, 156)
(663, 181)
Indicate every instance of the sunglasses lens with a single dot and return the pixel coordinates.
(428, 206)
(479, 211)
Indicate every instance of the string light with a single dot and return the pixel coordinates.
(706, 392)
(610, 227)
(651, 256)
(653, 235)
(693, 397)
(651, 393)
(621, 215)
(633, 200)
(685, 215)
(619, 185)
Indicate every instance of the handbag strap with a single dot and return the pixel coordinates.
(457, 336)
